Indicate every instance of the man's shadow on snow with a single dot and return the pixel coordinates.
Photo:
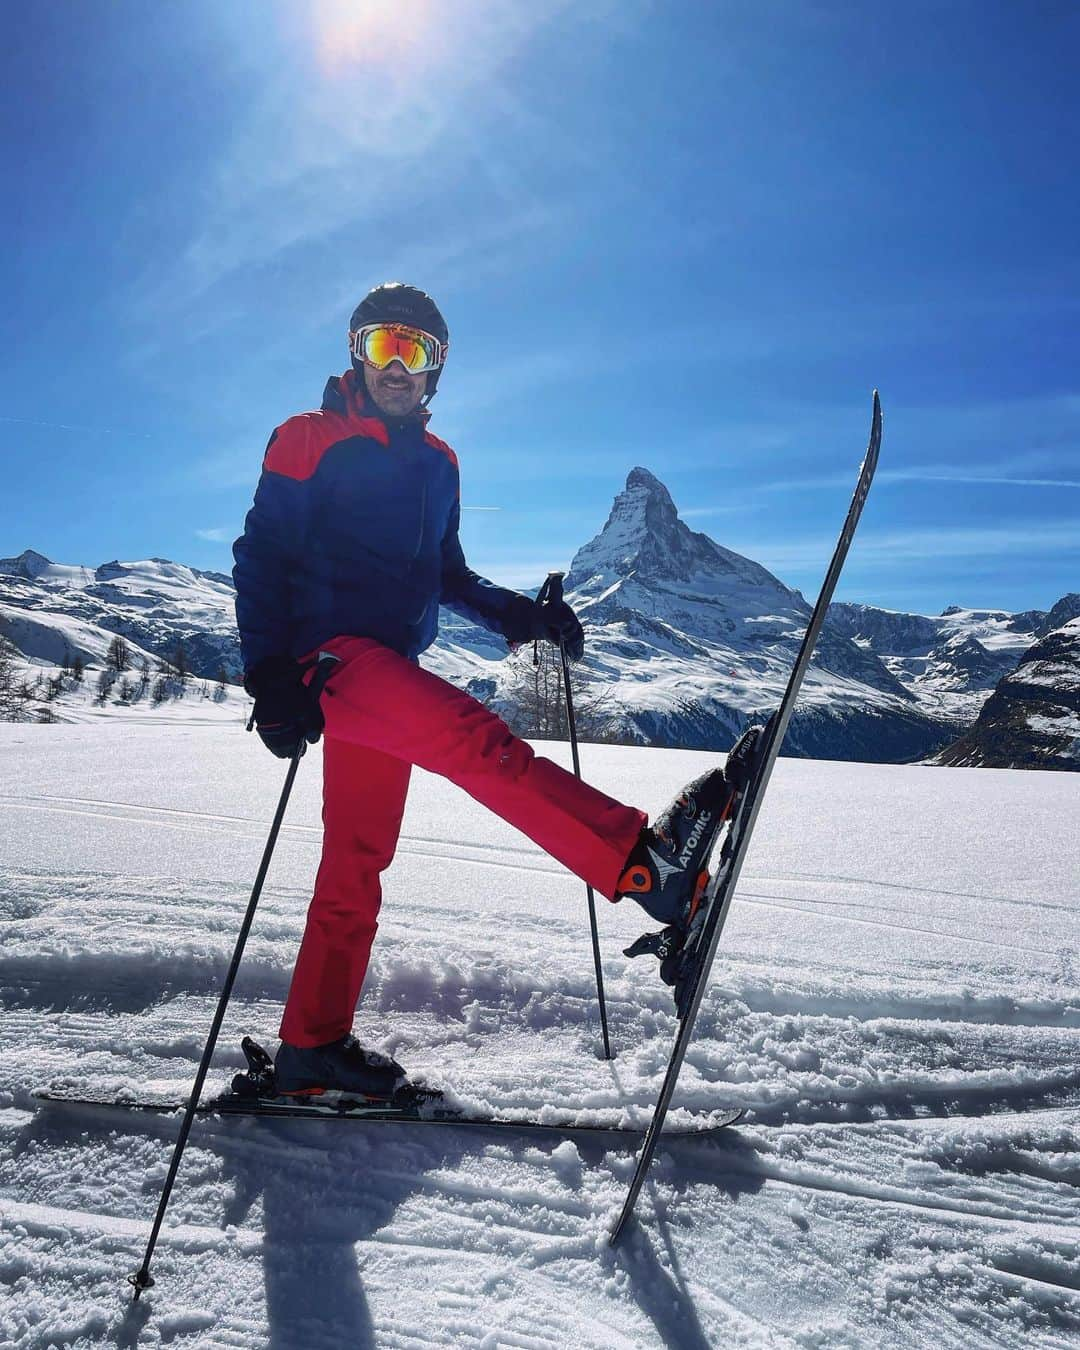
(727, 1169)
(330, 1186)
(325, 1186)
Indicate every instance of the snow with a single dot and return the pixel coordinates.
(1065, 724)
(194, 702)
(994, 628)
(896, 1004)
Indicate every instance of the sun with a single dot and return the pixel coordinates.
(350, 35)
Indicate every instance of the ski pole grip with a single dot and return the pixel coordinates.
(551, 590)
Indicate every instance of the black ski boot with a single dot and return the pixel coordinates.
(666, 872)
(343, 1066)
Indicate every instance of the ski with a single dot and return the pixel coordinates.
(385, 1113)
(696, 957)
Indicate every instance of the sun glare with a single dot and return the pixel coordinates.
(354, 34)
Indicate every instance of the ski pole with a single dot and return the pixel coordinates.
(142, 1279)
(552, 590)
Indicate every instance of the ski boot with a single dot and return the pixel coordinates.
(342, 1066)
(667, 874)
(338, 1079)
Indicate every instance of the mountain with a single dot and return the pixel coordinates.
(688, 641)
(1032, 719)
(948, 662)
(51, 610)
(1068, 607)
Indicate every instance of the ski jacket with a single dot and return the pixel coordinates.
(354, 533)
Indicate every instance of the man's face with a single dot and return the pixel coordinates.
(395, 391)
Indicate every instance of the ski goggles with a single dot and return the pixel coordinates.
(377, 344)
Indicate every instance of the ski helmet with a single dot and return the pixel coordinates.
(395, 302)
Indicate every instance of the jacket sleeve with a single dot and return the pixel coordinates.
(474, 597)
(268, 558)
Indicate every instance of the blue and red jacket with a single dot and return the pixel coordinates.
(354, 532)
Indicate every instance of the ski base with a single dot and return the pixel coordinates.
(282, 1108)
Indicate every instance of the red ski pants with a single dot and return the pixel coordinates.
(384, 714)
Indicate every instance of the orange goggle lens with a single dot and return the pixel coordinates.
(379, 344)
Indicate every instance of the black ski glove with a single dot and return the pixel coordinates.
(286, 711)
(547, 621)
(554, 621)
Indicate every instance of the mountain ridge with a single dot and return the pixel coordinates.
(687, 640)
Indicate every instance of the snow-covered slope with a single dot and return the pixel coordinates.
(1032, 719)
(896, 1003)
(153, 604)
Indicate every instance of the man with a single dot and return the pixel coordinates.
(348, 551)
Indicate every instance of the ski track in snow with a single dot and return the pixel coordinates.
(895, 1003)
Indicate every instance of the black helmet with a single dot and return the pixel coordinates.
(395, 302)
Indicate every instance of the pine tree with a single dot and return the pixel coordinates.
(180, 661)
(8, 698)
(118, 657)
(533, 703)
(104, 685)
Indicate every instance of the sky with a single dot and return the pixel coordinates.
(691, 236)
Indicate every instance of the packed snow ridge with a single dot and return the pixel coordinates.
(895, 1003)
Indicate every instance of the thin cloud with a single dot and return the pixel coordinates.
(80, 429)
(916, 475)
(887, 548)
(219, 534)
(899, 476)
(696, 512)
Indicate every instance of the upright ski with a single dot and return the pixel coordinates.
(697, 955)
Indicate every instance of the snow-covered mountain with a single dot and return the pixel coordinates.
(696, 640)
(950, 661)
(1032, 719)
(1068, 607)
(688, 641)
(50, 611)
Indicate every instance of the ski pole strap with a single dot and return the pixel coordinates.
(325, 666)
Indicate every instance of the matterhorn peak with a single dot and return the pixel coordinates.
(642, 478)
(642, 530)
(647, 558)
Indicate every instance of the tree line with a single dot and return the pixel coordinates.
(126, 678)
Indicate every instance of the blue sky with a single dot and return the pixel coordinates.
(692, 236)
